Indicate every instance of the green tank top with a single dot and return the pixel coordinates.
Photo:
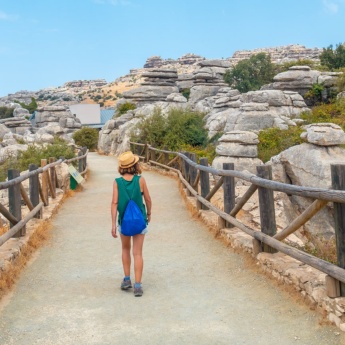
(133, 191)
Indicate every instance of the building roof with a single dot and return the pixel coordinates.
(106, 115)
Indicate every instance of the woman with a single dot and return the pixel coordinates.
(130, 183)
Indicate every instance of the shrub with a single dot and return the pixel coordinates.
(6, 112)
(86, 136)
(272, 141)
(333, 112)
(186, 93)
(279, 68)
(250, 74)
(314, 95)
(124, 107)
(32, 106)
(341, 81)
(178, 128)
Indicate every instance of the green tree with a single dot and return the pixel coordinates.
(178, 128)
(333, 58)
(86, 136)
(250, 74)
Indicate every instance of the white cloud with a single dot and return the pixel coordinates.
(332, 6)
(113, 2)
(7, 17)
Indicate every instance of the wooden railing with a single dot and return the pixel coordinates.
(39, 192)
(195, 178)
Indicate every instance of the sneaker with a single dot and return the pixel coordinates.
(126, 284)
(138, 291)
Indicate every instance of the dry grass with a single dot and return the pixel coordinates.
(37, 239)
(4, 228)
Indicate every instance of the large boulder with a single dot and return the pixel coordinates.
(308, 165)
(324, 134)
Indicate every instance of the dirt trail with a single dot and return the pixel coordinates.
(196, 291)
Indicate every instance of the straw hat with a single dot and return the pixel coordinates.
(127, 159)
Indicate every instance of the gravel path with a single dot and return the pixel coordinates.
(196, 291)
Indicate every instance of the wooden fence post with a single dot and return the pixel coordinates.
(34, 190)
(166, 156)
(146, 159)
(193, 171)
(45, 183)
(84, 159)
(338, 182)
(52, 177)
(229, 191)
(15, 200)
(266, 203)
(153, 155)
(204, 181)
(80, 162)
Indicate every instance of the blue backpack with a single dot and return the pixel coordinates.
(133, 222)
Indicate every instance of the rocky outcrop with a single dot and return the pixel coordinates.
(158, 62)
(17, 125)
(254, 110)
(208, 79)
(309, 165)
(301, 79)
(280, 54)
(240, 148)
(60, 115)
(158, 84)
(20, 96)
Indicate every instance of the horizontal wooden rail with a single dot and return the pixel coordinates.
(308, 192)
(21, 178)
(76, 158)
(7, 235)
(322, 265)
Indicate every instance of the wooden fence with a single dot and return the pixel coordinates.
(39, 192)
(195, 178)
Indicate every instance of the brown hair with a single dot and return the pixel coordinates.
(133, 170)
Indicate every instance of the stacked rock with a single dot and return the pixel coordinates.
(160, 77)
(240, 148)
(208, 79)
(59, 114)
(157, 85)
(17, 125)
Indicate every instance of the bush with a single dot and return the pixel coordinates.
(6, 112)
(186, 93)
(124, 107)
(341, 81)
(333, 112)
(314, 95)
(31, 106)
(34, 153)
(86, 136)
(250, 74)
(279, 68)
(272, 141)
(178, 128)
(333, 59)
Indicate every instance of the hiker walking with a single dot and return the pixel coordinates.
(130, 186)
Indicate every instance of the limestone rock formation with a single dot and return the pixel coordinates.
(308, 165)
(301, 79)
(17, 125)
(254, 110)
(208, 79)
(280, 54)
(240, 148)
(324, 134)
(57, 115)
(158, 84)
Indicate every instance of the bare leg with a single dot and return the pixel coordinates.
(126, 254)
(138, 242)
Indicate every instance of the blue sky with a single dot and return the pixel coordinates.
(48, 42)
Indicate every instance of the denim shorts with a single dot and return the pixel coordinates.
(144, 232)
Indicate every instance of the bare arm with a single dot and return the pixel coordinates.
(147, 198)
(114, 203)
